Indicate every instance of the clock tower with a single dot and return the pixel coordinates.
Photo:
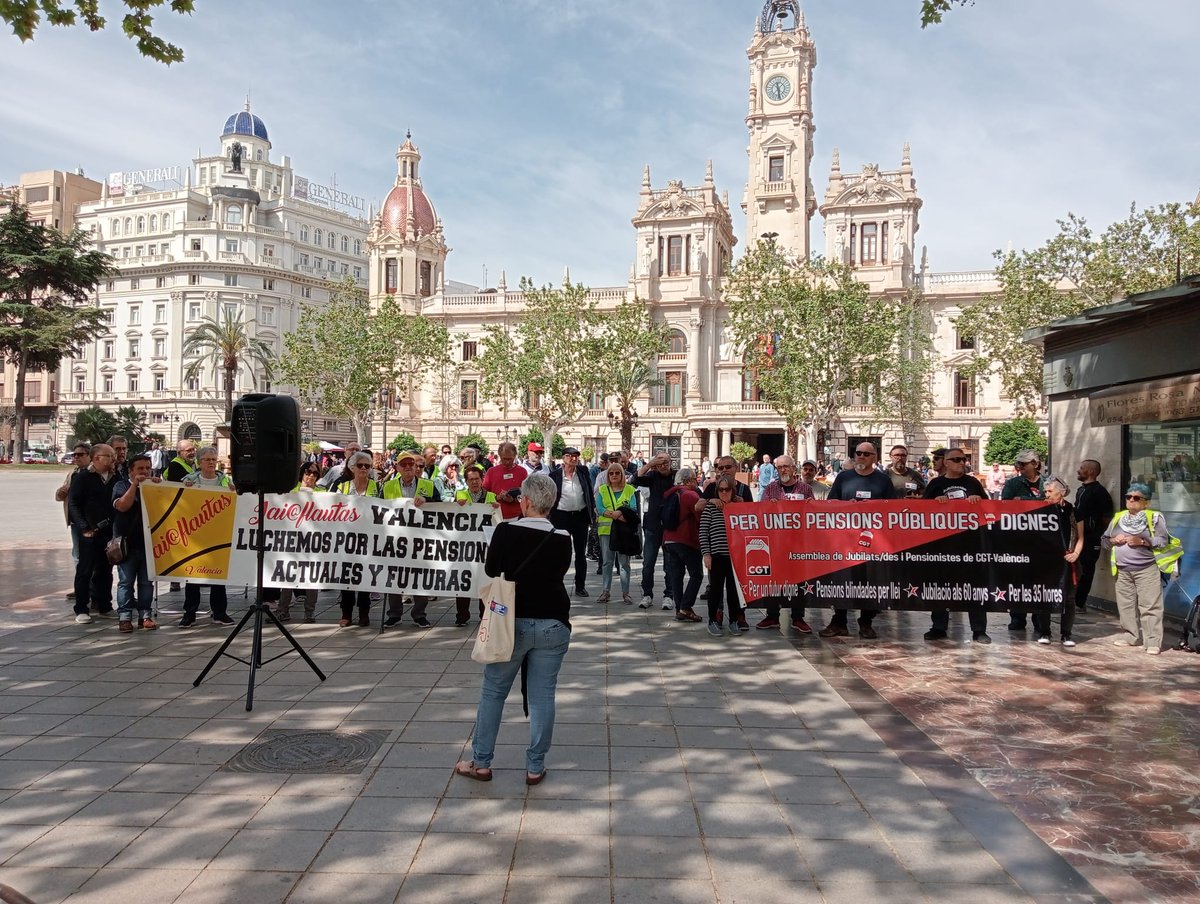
(780, 199)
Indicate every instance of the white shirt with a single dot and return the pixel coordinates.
(572, 494)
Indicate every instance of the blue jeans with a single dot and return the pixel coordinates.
(651, 543)
(608, 557)
(677, 558)
(132, 575)
(543, 643)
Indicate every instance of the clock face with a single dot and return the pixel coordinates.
(778, 88)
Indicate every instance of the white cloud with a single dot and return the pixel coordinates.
(535, 117)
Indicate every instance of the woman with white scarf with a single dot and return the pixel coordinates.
(1131, 538)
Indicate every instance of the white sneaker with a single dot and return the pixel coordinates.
(1045, 638)
(667, 605)
(83, 619)
(646, 603)
(1067, 642)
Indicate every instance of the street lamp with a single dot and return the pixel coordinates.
(54, 434)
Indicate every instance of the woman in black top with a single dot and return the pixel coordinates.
(534, 555)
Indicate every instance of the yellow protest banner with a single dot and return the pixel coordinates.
(189, 531)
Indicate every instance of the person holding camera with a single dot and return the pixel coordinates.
(133, 576)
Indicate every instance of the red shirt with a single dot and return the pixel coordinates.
(500, 479)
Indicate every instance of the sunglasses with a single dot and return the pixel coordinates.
(362, 467)
(863, 454)
(726, 467)
(78, 454)
(956, 459)
(1136, 498)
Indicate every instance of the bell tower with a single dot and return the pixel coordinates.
(780, 200)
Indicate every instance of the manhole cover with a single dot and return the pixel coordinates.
(300, 751)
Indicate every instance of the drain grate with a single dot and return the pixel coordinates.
(301, 751)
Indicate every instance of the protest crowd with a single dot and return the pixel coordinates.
(621, 507)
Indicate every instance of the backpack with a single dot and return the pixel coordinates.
(669, 516)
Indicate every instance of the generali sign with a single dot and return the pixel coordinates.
(1147, 403)
(117, 182)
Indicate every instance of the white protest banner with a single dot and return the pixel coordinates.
(331, 541)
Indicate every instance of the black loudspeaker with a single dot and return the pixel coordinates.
(265, 434)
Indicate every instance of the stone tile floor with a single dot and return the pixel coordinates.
(685, 768)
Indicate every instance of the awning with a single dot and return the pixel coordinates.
(330, 447)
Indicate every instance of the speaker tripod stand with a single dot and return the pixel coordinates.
(259, 611)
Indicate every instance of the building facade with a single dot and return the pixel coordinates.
(52, 197)
(683, 245)
(235, 234)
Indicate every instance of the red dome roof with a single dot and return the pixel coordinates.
(395, 211)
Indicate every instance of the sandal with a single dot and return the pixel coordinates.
(687, 615)
(468, 769)
(531, 779)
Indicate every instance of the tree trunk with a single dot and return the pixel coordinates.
(548, 435)
(793, 441)
(18, 432)
(230, 374)
(626, 429)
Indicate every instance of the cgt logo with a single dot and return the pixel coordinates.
(758, 556)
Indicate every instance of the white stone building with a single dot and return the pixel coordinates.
(236, 232)
(683, 244)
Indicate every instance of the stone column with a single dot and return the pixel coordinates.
(694, 390)
(712, 445)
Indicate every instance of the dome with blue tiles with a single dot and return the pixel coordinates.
(245, 123)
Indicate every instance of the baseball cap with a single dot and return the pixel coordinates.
(808, 461)
(570, 450)
(534, 447)
(413, 455)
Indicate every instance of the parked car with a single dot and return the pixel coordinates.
(35, 458)
(67, 458)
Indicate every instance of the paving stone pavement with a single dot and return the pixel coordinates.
(685, 768)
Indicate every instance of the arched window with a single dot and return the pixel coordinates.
(129, 225)
(389, 271)
(154, 222)
(258, 154)
(358, 246)
(233, 214)
(332, 241)
(318, 236)
(141, 225)
(678, 343)
(345, 244)
(304, 233)
(425, 288)
(115, 227)
(166, 222)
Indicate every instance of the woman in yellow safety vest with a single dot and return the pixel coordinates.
(474, 492)
(359, 484)
(610, 497)
(1134, 536)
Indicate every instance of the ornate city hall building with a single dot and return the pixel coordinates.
(683, 244)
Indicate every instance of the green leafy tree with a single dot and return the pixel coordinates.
(342, 353)
(903, 396)
(627, 377)
(47, 281)
(1074, 270)
(564, 352)
(551, 361)
(742, 453)
(26, 15)
(132, 424)
(534, 435)
(226, 345)
(932, 11)
(476, 438)
(808, 332)
(404, 442)
(1006, 440)
(93, 425)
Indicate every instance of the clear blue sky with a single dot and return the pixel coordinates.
(535, 117)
